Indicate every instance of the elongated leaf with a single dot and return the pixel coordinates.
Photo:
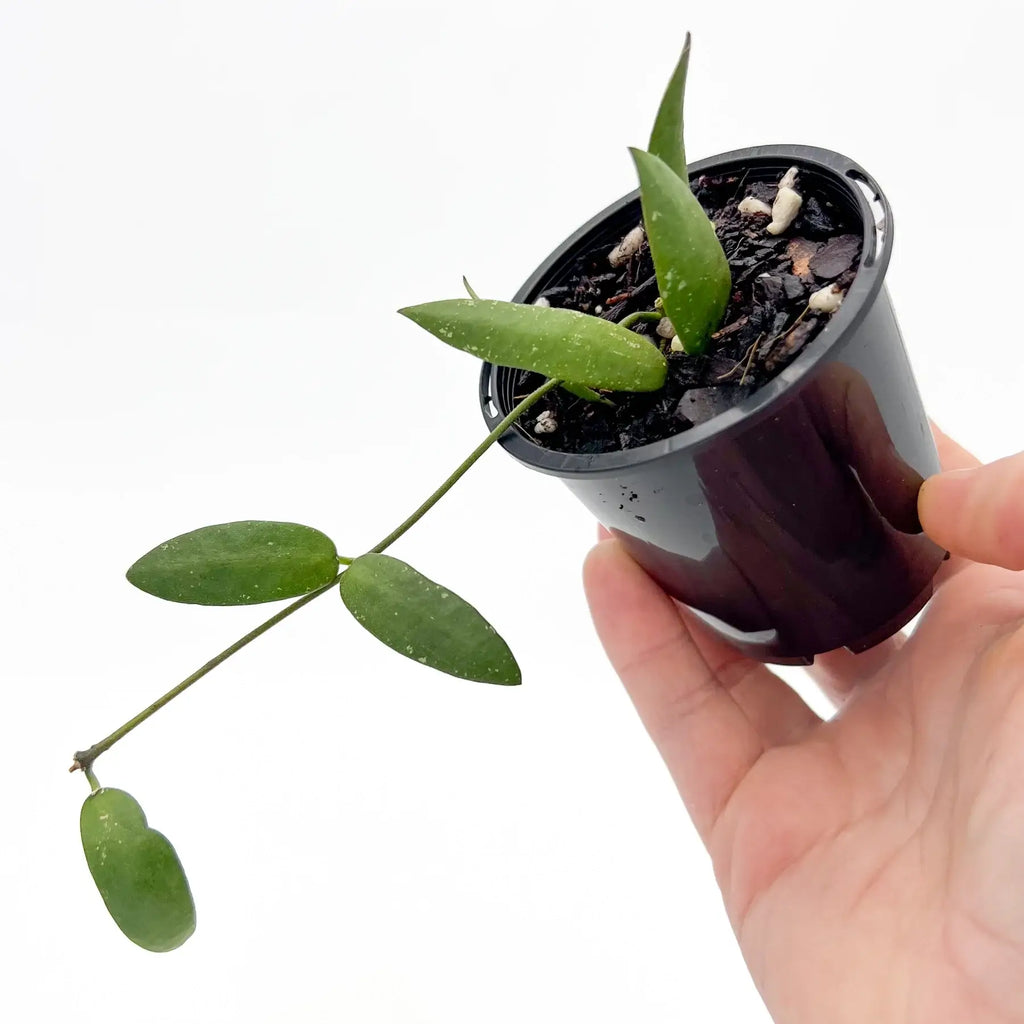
(250, 562)
(667, 140)
(559, 343)
(693, 273)
(425, 622)
(136, 871)
(579, 390)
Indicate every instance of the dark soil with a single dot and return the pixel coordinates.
(766, 325)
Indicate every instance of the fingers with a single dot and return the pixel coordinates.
(978, 513)
(777, 713)
(710, 711)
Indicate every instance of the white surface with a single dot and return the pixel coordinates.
(208, 212)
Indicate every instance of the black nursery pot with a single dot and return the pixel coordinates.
(789, 522)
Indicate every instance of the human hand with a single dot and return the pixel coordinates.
(872, 865)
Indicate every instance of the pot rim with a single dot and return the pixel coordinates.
(876, 219)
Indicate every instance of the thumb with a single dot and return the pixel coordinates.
(978, 513)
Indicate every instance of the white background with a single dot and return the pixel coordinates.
(208, 213)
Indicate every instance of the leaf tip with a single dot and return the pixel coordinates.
(643, 160)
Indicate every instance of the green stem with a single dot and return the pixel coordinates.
(465, 465)
(639, 317)
(93, 781)
(85, 758)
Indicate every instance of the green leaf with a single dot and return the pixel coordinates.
(558, 343)
(667, 135)
(425, 622)
(469, 288)
(249, 562)
(693, 273)
(136, 871)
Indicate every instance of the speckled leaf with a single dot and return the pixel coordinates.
(558, 343)
(425, 622)
(249, 562)
(693, 273)
(579, 390)
(667, 135)
(136, 871)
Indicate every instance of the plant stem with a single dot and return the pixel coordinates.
(84, 758)
(639, 317)
(465, 465)
(93, 781)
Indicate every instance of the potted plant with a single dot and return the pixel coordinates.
(772, 484)
(742, 417)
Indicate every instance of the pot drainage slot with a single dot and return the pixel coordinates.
(877, 213)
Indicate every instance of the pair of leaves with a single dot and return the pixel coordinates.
(594, 354)
(134, 867)
(255, 561)
(136, 871)
(693, 273)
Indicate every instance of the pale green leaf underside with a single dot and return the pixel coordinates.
(136, 871)
(559, 343)
(693, 273)
(667, 140)
(423, 621)
(248, 562)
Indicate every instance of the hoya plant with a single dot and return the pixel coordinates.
(135, 868)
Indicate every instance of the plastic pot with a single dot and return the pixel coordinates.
(789, 522)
